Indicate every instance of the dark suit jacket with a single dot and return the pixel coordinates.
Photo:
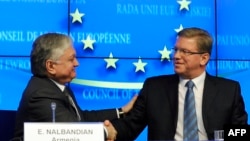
(35, 106)
(157, 108)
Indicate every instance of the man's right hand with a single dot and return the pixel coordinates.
(111, 131)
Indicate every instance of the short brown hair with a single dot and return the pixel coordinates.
(203, 38)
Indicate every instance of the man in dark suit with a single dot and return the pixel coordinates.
(160, 104)
(53, 63)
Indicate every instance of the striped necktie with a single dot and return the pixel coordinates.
(71, 101)
(190, 132)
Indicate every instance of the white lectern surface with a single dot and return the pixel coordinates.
(77, 131)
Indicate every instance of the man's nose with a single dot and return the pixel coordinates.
(76, 63)
(176, 54)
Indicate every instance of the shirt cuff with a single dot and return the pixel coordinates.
(120, 113)
(106, 132)
(117, 112)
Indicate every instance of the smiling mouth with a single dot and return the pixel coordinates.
(177, 63)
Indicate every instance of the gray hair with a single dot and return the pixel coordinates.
(47, 46)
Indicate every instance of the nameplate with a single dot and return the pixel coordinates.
(44, 131)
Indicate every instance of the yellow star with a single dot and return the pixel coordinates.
(165, 54)
(77, 16)
(88, 43)
(179, 29)
(184, 4)
(140, 65)
(111, 61)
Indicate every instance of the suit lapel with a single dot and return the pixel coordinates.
(209, 93)
(173, 96)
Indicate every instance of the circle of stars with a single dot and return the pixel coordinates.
(139, 65)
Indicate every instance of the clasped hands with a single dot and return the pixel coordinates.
(111, 131)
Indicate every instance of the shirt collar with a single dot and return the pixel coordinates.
(60, 86)
(198, 81)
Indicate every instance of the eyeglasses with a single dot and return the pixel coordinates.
(185, 52)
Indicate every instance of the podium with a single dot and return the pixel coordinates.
(66, 131)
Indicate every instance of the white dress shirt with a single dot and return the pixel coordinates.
(198, 94)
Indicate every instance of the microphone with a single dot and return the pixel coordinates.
(53, 108)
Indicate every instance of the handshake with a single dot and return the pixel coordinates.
(110, 131)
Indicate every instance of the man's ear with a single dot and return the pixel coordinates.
(50, 66)
(204, 58)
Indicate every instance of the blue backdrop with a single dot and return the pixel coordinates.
(111, 37)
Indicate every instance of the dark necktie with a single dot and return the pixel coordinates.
(190, 132)
(72, 103)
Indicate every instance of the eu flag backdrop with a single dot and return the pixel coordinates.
(119, 43)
